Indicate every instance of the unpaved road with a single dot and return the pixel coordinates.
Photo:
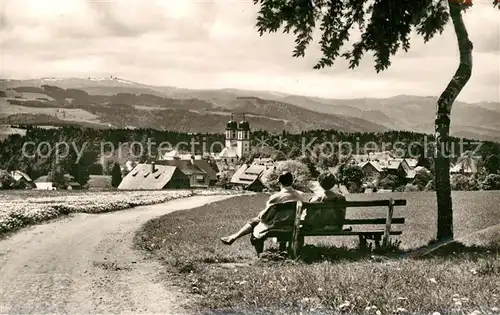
(86, 264)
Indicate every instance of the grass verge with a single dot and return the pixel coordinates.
(333, 276)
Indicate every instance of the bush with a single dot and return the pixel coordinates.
(422, 178)
(299, 171)
(459, 182)
(492, 182)
(350, 174)
(430, 186)
(6, 181)
(389, 182)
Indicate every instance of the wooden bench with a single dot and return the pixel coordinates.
(292, 230)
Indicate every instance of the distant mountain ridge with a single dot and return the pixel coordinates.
(275, 111)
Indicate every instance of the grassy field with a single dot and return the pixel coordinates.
(333, 277)
(19, 208)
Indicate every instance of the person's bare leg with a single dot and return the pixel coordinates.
(245, 230)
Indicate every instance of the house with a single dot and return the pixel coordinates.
(372, 170)
(209, 168)
(22, 179)
(412, 163)
(154, 177)
(372, 156)
(178, 155)
(397, 167)
(44, 183)
(466, 165)
(198, 178)
(249, 177)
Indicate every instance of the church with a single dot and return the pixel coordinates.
(237, 142)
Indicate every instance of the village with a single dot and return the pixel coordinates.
(238, 167)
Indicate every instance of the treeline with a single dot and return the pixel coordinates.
(35, 153)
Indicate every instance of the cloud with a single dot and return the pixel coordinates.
(214, 44)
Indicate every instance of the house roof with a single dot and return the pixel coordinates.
(235, 179)
(375, 165)
(184, 166)
(17, 175)
(230, 152)
(411, 162)
(255, 169)
(247, 174)
(465, 165)
(176, 154)
(142, 178)
(393, 164)
(411, 174)
(207, 168)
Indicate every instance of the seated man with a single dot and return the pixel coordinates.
(256, 225)
(334, 217)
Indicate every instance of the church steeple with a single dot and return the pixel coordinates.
(244, 125)
(232, 124)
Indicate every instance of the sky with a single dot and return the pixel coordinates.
(214, 44)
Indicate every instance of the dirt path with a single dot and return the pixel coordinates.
(86, 264)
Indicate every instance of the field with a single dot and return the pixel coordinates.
(19, 208)
(333, 276)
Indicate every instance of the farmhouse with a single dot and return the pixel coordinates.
(22, 179)
(372, 170)
(198, 177)
(249, 177)
(154, 177)
(466, 165)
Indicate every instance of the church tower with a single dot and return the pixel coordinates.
(243, 137)
(231, 133)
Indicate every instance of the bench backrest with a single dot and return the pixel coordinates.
(319, 214)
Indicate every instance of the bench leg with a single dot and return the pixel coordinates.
(362, 242)
(257, 244)
(377, 242)
(282, 245)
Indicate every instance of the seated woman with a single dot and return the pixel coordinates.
(333, 217)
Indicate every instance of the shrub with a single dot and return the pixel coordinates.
(459, 182)
(492, 182)
(389, 182)
(430, 186)
(350, 174)
(299, 171)
(6, 181)
(422, 178)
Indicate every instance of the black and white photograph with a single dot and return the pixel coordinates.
(250, 157)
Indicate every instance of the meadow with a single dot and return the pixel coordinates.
(19, 208)
(333, 276)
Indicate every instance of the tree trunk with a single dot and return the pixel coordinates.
(442, 127)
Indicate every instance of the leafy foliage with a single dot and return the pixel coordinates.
(492, 163)
(422, 178)
(351, 176)
(385, 26)
(57, 176)
(492, 182)
(299, 171)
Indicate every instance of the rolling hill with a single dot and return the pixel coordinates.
(122, 103)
